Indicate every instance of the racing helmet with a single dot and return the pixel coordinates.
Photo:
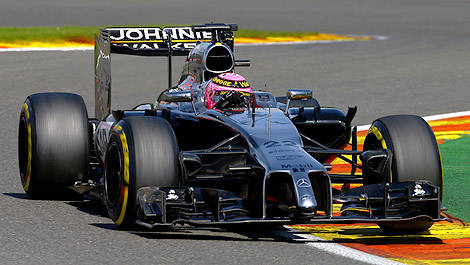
(228, 91)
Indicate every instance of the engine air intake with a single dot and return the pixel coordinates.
(219, 59)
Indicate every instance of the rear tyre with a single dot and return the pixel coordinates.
(142, 152)
(415, 157)
(53, 144)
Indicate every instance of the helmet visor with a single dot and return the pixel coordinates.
(231, 99)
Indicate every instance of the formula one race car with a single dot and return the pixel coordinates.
(178, 161)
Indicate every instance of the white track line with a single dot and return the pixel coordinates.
(55, 49)
(447, 116)
(66, 49)
(335, 248)
(427, 118)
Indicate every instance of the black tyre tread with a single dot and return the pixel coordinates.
(60, 143)
(408, 227)
(153, 161)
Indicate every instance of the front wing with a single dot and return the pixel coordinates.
(400, 202)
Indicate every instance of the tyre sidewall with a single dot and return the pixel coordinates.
(26, 170)
(123, 211)
(378, 138)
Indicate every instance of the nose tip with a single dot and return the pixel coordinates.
(307, 204)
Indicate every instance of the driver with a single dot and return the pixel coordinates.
(228, 91)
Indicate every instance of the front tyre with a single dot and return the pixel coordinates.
(415, 157)
(142, 152)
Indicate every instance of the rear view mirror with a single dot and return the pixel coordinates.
(242, 63)
(296, 94)
(177, 96)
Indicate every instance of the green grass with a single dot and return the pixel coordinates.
(12, 35)
(80, 34)
(456, 162)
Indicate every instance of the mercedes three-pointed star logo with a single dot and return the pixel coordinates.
(303, 183)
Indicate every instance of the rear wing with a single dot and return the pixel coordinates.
(147, 41)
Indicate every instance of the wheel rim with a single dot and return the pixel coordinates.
(23, 149)
(113, 175)
(372, 143)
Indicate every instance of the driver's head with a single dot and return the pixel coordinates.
(228, 90)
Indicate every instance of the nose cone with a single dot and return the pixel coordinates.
(307, 204)
(306, 201)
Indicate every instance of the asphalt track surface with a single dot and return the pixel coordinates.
(422, 68)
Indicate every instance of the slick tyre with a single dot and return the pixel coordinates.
(415, 157)
(142, 152)
(53, 144)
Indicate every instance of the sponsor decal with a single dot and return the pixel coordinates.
(172, 195)
(225, 92)
(418, 190)
(279, 151)
(156, 34)
(156, 38)
(288, 157)
(300, 165)
(156, 46)
(303, 183)
(102, 136)
(273, 144)
(228, 83)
